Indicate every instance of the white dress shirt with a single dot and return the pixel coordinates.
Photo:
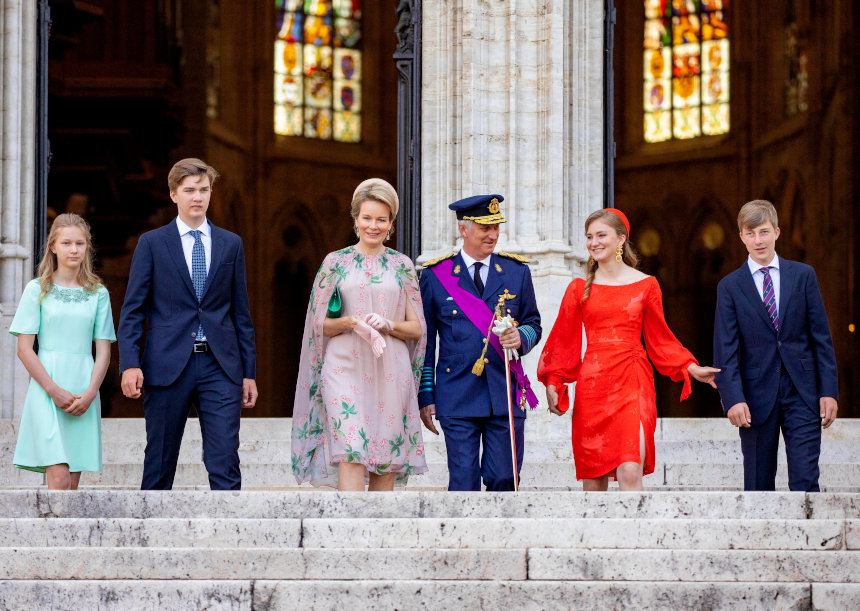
(758, 276)
(188, 246)
(188, 242)
(470, 264)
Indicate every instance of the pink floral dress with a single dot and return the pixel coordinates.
(351, 406)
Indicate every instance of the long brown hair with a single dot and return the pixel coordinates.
(86, 277)
(627, 255)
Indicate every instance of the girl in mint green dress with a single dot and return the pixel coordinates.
(68, 309)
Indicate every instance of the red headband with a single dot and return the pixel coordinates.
(623, 218)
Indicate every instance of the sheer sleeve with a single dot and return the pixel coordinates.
(308, 456)
(28, 315)
(562, 355)
(668, 355)
(408, 279)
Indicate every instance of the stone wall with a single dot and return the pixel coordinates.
(17, 172)
(513, 104)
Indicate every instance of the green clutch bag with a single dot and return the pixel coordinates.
(335, 305)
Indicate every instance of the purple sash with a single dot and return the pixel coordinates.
(481, 316)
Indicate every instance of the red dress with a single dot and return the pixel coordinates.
(615, 387)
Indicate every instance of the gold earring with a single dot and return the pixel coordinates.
(618, 252)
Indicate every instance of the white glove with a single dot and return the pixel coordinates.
(500, 325)
(380, 323)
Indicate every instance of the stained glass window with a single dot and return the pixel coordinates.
(686, 69)
(318, 69)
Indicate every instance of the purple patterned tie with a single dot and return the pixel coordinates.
(769, 297)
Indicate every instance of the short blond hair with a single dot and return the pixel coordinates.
(378, 190)
(756, 213)
(190, 166)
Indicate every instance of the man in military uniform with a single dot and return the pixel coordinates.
(468, 394)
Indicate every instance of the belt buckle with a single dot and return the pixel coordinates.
(200, 347)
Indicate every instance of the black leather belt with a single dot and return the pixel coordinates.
(200, 347)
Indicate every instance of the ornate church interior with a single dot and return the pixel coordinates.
(715, 103)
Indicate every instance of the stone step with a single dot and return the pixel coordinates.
(704, 474)
(539, 426)
(573, 488)
(262, 563)
(423, 533)
(592, 533)
(154, 532)
(536, 475)
(694, 565)
(278, 451)
(245, 595)
(394, 564)
(313, 503)
(680, 429)
(13, 477)
(263, 451)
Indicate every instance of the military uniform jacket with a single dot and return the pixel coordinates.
(455, 390)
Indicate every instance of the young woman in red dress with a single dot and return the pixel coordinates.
(614, 410)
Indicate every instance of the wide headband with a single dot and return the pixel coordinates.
(623, 218)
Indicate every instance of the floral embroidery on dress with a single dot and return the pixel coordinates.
(69, 295)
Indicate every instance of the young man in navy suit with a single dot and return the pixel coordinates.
(459, 293)
(188, 279)
(778, 368)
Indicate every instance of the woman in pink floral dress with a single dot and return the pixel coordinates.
(355, 414)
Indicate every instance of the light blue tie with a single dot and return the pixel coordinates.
(198, 271)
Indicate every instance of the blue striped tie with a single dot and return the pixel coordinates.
(198, 271)
(769, 297)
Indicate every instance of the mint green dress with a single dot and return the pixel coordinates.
(66, 323)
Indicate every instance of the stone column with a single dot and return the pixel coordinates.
(17, 172)
(513, 104)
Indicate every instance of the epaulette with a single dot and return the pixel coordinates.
(512, 256)
(432, 262)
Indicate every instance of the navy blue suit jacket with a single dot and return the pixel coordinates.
(752, 354)
(160, 288)
(456, 391)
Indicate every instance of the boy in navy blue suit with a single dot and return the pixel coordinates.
(459, 293)
(773, 345)
(187, 280)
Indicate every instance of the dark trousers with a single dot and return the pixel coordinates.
(219, 405)
(467, 465)
(801, 430)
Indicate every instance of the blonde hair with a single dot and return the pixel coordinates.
(190, 166)
(86, 277)
(378, 190)
(756, 213)
(628, 255)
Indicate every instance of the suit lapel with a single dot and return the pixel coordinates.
(495, 281)
(217, 253)
(787, 279)
(462, 272)
(177, 255)
(749, 290)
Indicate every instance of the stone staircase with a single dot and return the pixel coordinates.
(188, 549)
(691, 454)
(693, 540)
